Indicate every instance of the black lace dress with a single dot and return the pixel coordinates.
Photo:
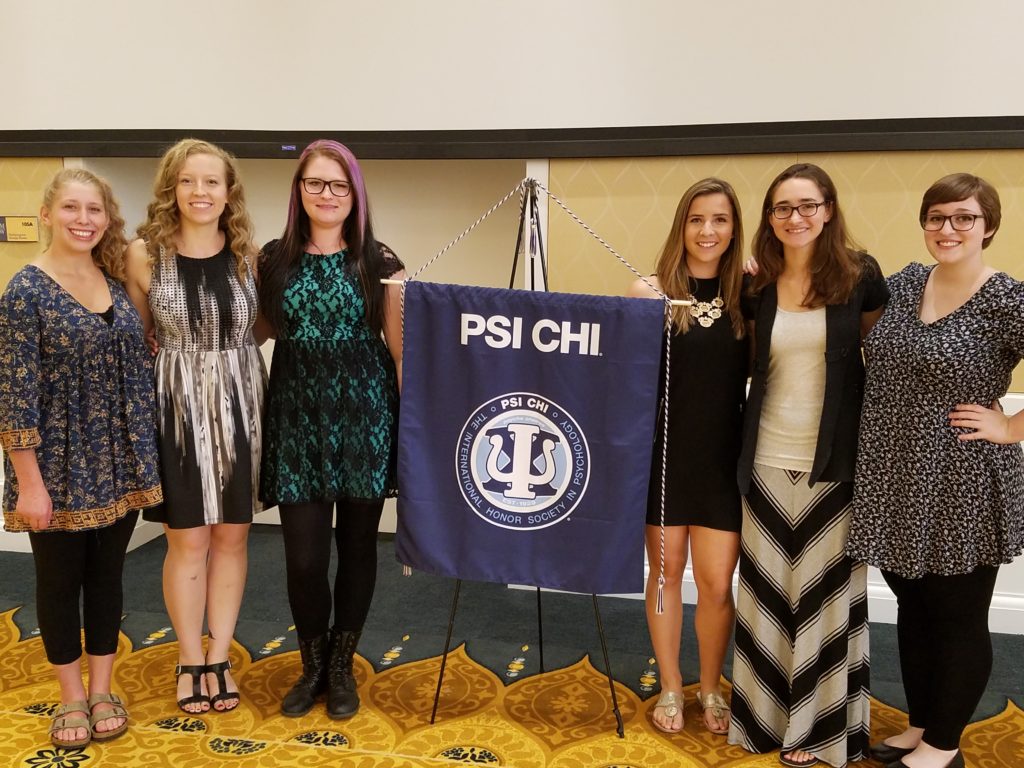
(332, 408)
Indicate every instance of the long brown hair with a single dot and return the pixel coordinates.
(163, 219)
(109, 251)
(837, 262)
(671, 268)
(281, 263)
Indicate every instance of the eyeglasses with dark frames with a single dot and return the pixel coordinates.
(961, 222)
(315, 186)
(806, 210)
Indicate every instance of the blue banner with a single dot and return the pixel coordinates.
(525, 435)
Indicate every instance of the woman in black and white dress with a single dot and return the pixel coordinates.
(190, 276)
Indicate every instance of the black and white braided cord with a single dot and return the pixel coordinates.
(520, 188)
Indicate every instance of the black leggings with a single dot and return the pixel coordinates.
(945, 649)
(307, 553)
(87, 565)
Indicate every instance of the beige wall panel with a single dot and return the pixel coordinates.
(22, 181)
(418, 206)
(630, 203)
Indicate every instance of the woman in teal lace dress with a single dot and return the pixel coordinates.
(332, 412)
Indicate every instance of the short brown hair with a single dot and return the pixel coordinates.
(960, 186)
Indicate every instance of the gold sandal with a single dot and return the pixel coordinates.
(719, 710)
(672, 703)
(64, 719)
(116, 710)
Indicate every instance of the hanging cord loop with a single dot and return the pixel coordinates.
(520, 188)
(523, 188)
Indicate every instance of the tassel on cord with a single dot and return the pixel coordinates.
(660, 604)
(406, 569)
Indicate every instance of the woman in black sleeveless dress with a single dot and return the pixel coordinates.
(701, 261)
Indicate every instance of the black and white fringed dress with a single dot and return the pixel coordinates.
(210, 386)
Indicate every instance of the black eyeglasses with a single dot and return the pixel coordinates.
(961, 222)
(804, 209)
(315, 186)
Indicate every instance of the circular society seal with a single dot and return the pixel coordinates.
(522, 462)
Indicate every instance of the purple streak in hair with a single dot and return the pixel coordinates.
(339, 152)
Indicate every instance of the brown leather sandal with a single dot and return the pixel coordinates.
(65, 719)
(116, 710)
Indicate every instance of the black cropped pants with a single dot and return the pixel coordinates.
(86, 567)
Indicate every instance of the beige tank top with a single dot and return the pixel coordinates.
(795, 391)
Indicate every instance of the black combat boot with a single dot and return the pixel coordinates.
(300, 699)
(342, 696)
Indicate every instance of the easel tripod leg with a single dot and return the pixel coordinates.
(608, 670)
(447, 645)
(540, 633)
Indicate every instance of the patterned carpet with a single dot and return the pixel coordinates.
(560, 719)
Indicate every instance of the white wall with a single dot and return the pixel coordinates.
(465, 64)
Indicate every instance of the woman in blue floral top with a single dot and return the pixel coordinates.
(78, 429)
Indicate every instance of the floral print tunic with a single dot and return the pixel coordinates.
(77, 386)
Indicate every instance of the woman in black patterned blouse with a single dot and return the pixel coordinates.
(939, 490)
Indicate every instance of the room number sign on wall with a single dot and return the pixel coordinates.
(19, 229)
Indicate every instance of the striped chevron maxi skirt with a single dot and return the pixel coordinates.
(801, 671)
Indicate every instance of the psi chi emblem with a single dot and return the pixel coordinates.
(522, 462)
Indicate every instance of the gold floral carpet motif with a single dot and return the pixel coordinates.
(558, 719)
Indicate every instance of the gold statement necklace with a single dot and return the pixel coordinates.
(706, 312)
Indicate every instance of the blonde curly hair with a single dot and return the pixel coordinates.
(109, 251)
(163, 219)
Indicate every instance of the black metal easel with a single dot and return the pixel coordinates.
(540, 641)
(529, 215)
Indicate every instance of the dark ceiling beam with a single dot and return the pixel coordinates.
(642, 141)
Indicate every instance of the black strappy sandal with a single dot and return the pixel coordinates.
(230, 699)
(197, 697)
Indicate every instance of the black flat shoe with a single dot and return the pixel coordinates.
(956, 762)
(884, 753)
